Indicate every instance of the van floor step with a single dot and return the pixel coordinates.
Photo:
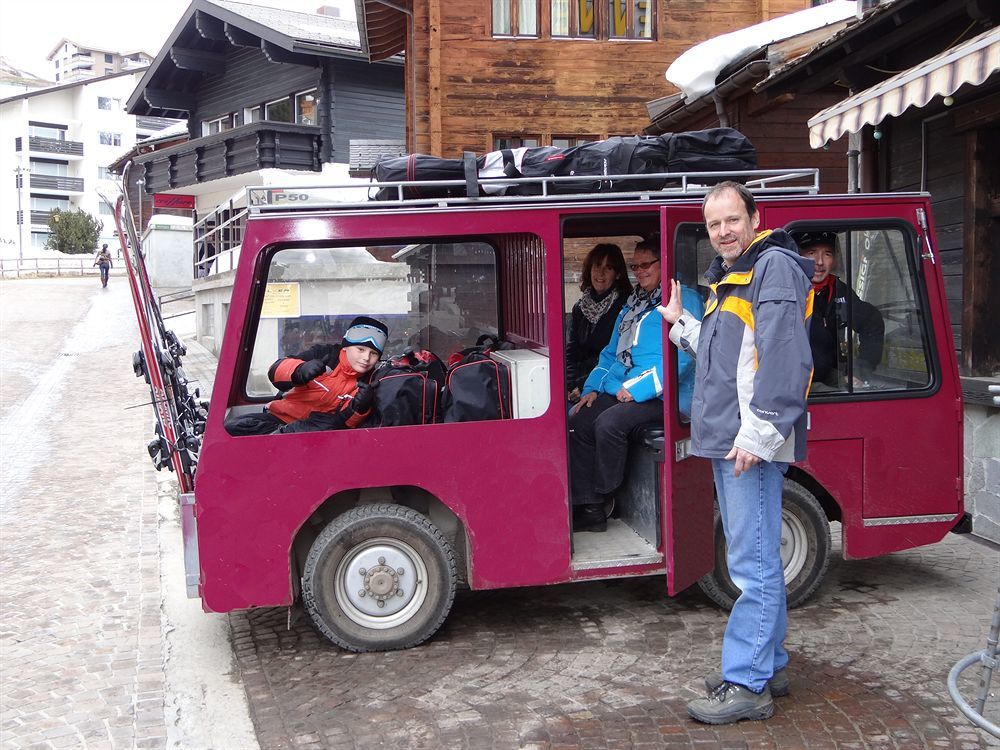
(619, 546)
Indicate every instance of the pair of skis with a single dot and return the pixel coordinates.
(180, 415)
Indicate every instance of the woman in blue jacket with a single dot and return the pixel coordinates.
(623, 391)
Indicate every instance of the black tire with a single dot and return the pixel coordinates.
(805, 550)
(352, 587)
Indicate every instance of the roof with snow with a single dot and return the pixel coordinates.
(208, 28)
(695, 71)
(730, 63)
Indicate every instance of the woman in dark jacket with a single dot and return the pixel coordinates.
(605, 287)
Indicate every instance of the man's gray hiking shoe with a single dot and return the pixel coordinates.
(732, 703)
(779, 683)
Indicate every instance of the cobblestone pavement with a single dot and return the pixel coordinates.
(86, 628)
(611, 665)
(80, 639)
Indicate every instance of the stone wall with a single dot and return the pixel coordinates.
(982, 469)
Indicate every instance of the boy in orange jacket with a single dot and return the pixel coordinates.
(326, 387)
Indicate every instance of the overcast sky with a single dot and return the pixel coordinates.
(29, 29)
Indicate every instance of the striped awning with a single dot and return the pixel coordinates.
(971, 62)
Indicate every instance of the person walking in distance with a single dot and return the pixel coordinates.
(748, 415)
(103, 260)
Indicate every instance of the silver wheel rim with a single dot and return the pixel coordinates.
(381, 583)
(794, 545)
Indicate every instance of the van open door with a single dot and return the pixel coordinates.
(688, 490)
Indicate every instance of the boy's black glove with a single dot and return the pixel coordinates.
(364, 398)
(307, 371)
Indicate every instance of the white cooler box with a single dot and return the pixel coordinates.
(529, 381)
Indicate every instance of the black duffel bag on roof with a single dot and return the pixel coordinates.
(712, 150)
(416, 167)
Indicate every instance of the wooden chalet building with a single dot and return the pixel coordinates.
(483, 74)
(262, 88)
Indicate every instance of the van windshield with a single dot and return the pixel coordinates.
(433, 295)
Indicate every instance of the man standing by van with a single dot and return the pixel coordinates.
(748, 416)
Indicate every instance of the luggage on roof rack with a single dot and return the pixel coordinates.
(712, 150)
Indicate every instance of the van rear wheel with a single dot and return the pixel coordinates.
(805, 550)
(379, 577)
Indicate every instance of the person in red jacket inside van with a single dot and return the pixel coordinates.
(326, 387)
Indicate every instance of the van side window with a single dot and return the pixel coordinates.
(868, 330)
(693, 253)
(437, 298)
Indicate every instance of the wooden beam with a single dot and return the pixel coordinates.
(897, 30)
(981, 271)
(859, 77)
(982, 111)
(201, 61)
(178, 101)
(209, 27)
(434, 74)
(241, 38)
(758, 105)
(277, 54)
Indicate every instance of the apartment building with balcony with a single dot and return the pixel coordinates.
(55, 148)
(73, 62)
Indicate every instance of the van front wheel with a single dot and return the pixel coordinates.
(379, 577)
(805, 550)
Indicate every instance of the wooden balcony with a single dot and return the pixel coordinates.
(259, 145)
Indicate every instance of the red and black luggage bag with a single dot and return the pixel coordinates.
(408, 389)
(477, 388)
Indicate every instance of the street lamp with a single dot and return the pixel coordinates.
(20, 170)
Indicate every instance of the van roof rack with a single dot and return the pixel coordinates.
(355, 195)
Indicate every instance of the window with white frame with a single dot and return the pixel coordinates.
(280, 110)
(107, 138)
(109, 103)
(47, 203)
(515, 18)
(55, 132)
(103, 173)
(253, 114)
(305, 107)
(630, 19)
(211, 127)
(46, 167)
(607, 19)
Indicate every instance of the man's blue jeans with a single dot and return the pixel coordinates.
(752, 649)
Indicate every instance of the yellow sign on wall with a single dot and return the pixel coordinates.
(281, 301)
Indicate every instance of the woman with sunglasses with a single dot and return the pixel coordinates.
(623, 391)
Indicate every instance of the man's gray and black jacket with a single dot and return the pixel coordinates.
(755, 366)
